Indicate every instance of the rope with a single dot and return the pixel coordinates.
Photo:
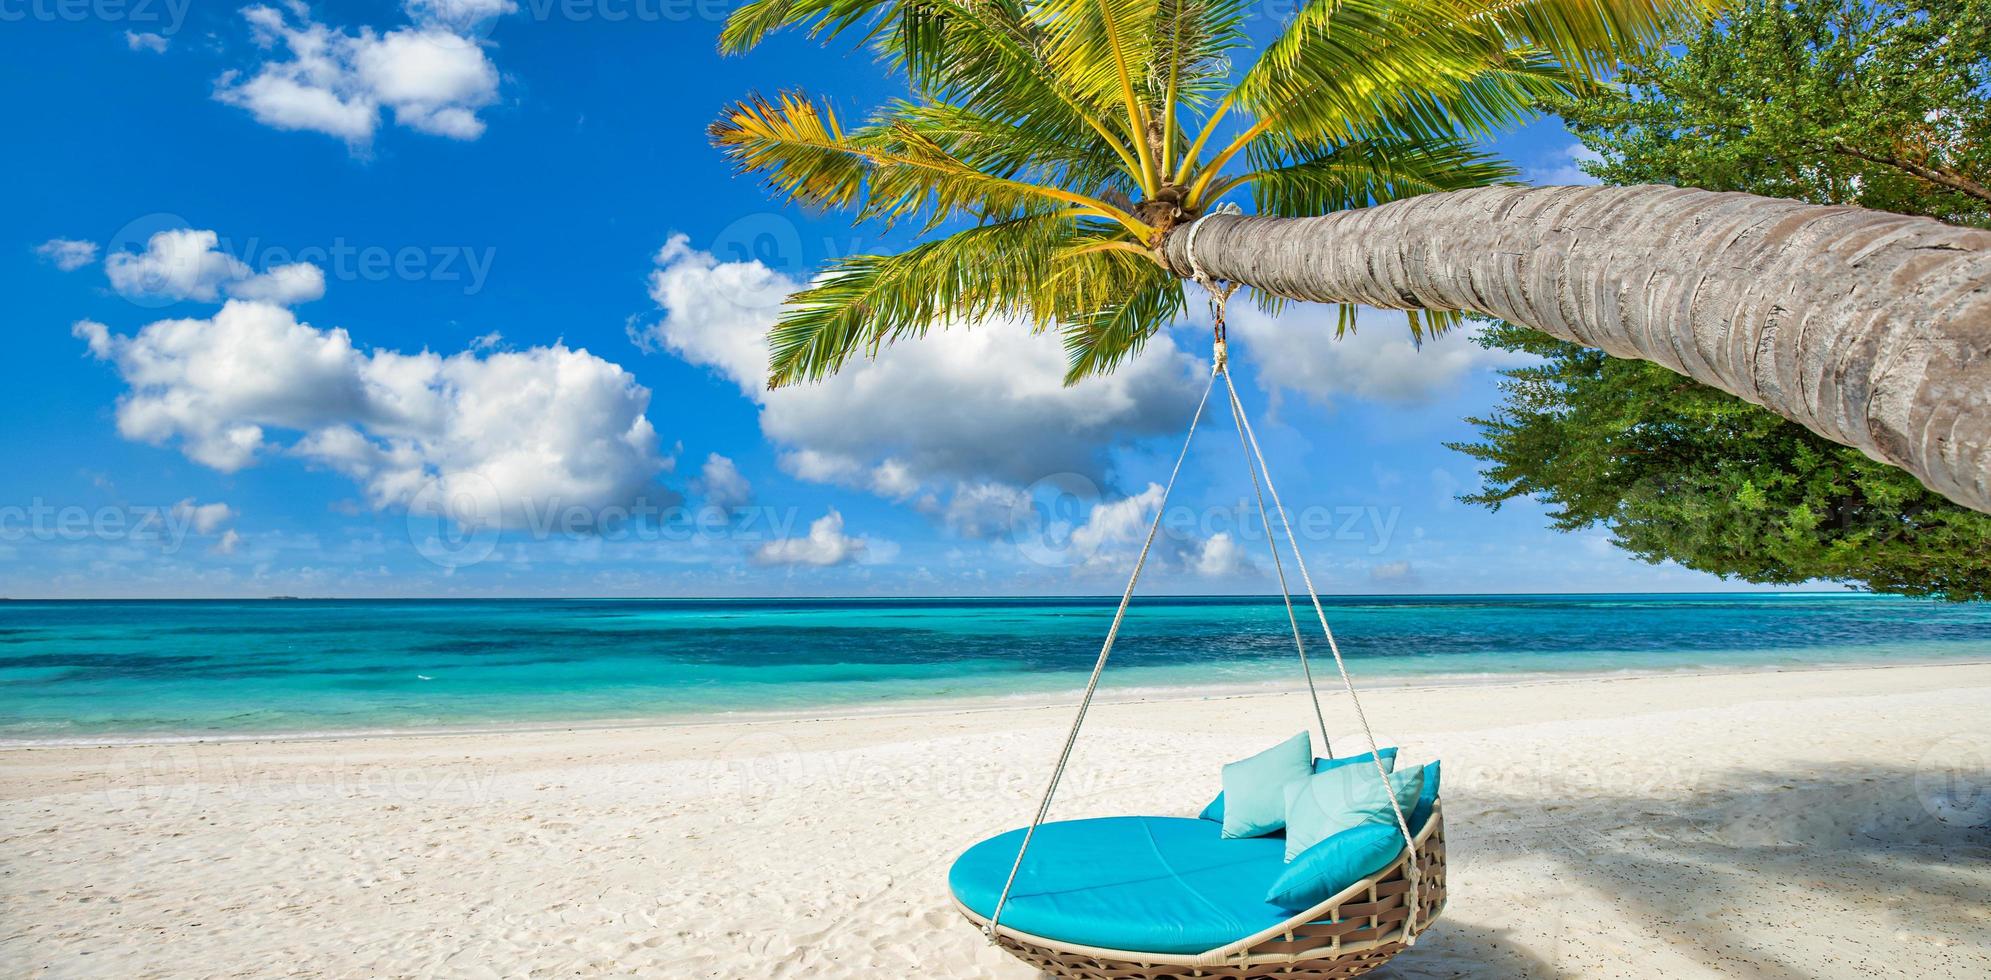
(1189, 244)
(1092, 684)
(1220, 298)
(1285, 590)
(1412, 872)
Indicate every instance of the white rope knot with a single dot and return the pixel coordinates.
(1220, 357)
(1189, 244)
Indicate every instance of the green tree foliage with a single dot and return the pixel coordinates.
(1883, 105)
(1886, 105)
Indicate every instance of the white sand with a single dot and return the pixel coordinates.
(1753, 825)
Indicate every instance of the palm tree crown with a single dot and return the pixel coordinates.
(1058, 142)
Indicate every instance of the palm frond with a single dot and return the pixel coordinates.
(1101, 49)
(865, 302)
(827, 19)
(800, 149)
(1037, 154)
(887, 171)
(1360, 175)
(1102, 339)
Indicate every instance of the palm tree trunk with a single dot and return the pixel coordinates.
(1871, 329)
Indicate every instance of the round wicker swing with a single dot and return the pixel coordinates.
(1346, 936)
(1354, 931)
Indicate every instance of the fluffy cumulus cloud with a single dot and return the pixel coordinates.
(1123, 521)
(188, 264)
(504, 437)
(1222, 555)
(67, 254)
(722, 485)
(824, 545)
(961, 411)
(1297, 351)
(203, 518)
(432, 75)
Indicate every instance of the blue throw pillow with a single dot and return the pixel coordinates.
(1322, 871)
(1255, 788)
(1339, 799)
(1426, 800)
(1215, 810)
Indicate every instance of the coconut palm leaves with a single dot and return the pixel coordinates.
(1051, 145)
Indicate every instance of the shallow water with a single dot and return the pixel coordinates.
(73, 670)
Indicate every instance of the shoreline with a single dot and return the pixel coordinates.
(1825, 823)
(911, 708)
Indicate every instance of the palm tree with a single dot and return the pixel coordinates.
(1053, 150)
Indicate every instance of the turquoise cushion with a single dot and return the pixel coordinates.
(1148, 884)
(1255, 788)
(1325, 869)
(1426, 800)
(1215, 811)
(1336, 800)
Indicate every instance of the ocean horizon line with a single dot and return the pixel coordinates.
(1019, 597)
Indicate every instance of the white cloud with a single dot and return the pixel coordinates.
(433, 75)
(826, 544)
(960, 407)
(230, 540)
(510, 433)
(155, 43)
(977, 510)
(464, 14)
(1222, 555)
(284, 285)
(203, 518)
(722, 485)
(1565, 167)
(1123, 521)
(1114, 531)
(181, 263)
(1298, 351)
(186, 263)
(67, 254)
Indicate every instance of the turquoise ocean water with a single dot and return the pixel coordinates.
(102, 670)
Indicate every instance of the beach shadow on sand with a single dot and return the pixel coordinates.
(1755, 874)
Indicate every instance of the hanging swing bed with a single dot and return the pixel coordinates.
(1171, 898)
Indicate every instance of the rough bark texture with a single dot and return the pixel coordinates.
(1871, 329)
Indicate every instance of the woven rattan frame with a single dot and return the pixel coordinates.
(1346, 936)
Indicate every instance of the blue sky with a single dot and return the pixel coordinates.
(404, 300)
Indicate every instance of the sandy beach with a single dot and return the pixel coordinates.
(1787, 824)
